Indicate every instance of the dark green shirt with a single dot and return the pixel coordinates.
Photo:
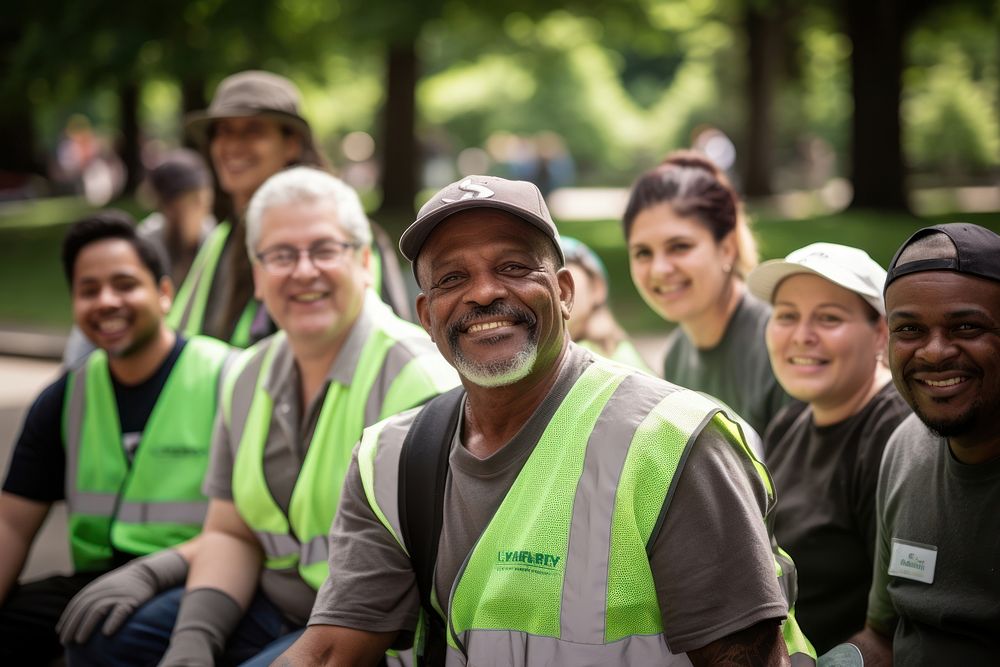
(737, 371)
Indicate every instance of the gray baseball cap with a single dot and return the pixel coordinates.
(519, 198)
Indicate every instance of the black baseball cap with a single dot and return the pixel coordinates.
(977, 253)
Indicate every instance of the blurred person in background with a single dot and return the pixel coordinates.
(123, 439)
(253, 129)
(827, 340)
(591, 323)
(690, 249)
(182, 187)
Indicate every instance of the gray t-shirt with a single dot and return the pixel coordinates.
(932, 507)
(825, 479)
(712, 561)
(737, 371)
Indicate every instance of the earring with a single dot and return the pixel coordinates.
(726, 268)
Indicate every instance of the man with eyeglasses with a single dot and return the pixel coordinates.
(293, 407)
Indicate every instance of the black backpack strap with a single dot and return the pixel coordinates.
(423, 469)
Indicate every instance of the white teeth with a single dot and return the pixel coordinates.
(112, 326)
(804, 361)
(489, 325)
(944, 383)
(669, 289)
(308, 297)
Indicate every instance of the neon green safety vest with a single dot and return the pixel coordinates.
(187, 316)
(397, 368)
(156, 502)
(549, 582)
(625, 353)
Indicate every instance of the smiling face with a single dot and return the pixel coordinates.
(823, 342)
(944, 350)
(247, 151)
(679, 268)
(312, 305)
(492, 298)
(117, 303)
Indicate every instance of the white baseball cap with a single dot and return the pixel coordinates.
(850, 268)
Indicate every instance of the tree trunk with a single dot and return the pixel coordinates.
(400, 155)
(876, 29)
(17, 127)
(192, 99)
(131, 147)
(764, 41)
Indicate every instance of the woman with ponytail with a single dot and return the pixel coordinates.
(690, 250)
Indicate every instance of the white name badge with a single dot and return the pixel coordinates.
(911, 560)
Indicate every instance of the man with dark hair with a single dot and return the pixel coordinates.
(935, 589)
(182, 186)
(122, 437)
(590, 514)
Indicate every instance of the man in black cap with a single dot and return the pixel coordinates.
(935, 589)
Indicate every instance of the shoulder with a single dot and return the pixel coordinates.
(884, 414)
(49, 402)
(911, 447)
(207, 353)
(784, 420)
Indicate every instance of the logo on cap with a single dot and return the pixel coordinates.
(471, 190)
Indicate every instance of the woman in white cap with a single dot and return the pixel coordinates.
(826, 339)
(690, 249)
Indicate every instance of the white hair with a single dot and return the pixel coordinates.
(299, 185)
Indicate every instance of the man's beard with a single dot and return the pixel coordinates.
(505, 371)
(954, 426)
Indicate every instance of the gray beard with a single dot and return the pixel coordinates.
(500, 373)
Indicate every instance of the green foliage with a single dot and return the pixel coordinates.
(950, 106)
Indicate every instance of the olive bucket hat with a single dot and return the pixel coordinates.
(250, 93)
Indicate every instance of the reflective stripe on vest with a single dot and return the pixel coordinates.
(187, 315)
(561, 572)
(398, 367)
(155, 502)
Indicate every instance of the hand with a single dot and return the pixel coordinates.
(118, 593)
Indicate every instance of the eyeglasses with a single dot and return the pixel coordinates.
(283, 259)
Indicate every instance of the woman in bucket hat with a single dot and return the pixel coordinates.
(826, 338)
(252, 130)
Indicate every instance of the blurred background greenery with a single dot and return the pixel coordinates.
(844, 120)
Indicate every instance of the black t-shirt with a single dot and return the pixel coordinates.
(37, 469)
(825, 479)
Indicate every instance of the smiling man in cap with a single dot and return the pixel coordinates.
(935, 588)
(589, 513)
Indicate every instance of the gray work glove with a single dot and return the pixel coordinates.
(118, 593)
(206, 618)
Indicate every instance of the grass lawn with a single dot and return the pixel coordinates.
(35, 293)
